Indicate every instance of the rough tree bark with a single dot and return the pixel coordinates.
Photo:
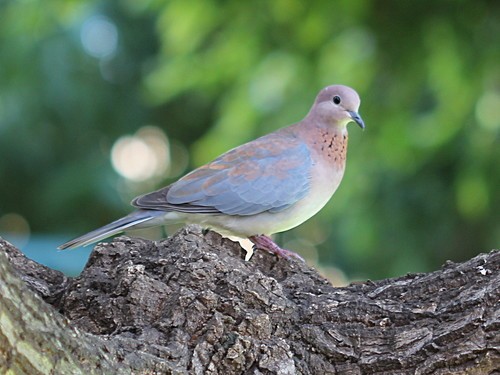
(191, 304)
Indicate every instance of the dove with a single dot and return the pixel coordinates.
(269, 185)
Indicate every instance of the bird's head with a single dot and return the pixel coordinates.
(337, 105)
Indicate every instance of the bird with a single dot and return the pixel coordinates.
(266, 186)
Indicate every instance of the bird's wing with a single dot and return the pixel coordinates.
(268, 174)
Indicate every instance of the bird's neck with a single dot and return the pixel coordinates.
(328, 142)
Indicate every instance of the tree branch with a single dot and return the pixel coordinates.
(191, 304)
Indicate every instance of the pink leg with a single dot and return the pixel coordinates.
(266, 243)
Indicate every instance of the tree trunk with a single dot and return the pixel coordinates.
(191, 304)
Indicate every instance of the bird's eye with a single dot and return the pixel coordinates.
(336, 99)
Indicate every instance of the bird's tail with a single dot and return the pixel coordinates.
(135, 219)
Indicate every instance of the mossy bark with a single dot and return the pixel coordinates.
(191, 304)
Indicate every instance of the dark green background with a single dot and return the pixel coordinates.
(422, 181)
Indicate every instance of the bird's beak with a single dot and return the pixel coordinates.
(357, 118)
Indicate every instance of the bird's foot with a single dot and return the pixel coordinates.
(266, 243)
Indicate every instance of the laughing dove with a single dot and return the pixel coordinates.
(265, 186)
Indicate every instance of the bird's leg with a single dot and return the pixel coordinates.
(264, 242)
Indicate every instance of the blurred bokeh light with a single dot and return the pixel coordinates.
(15, 229)
(142, 156)
(99, 37)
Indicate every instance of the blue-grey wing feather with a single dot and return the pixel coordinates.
(269, 174)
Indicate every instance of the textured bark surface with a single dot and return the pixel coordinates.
(191, 304)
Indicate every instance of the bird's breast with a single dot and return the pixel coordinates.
(329, 159)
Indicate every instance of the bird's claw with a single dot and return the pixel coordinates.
(266, 243)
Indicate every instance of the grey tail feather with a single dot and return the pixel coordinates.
(133, 219)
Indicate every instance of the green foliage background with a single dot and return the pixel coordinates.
(422, 181)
